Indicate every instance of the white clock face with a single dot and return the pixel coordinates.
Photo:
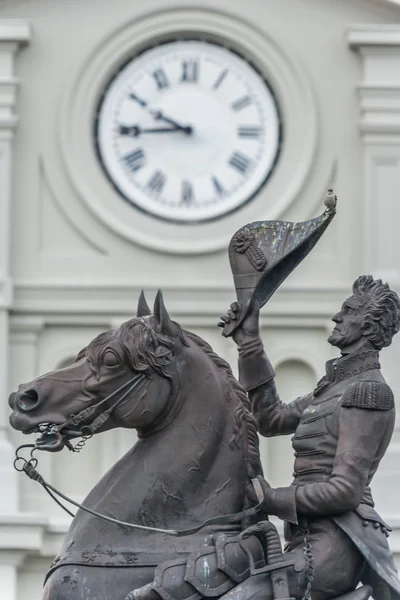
(188, 131)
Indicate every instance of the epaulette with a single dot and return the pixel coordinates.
(373, 395)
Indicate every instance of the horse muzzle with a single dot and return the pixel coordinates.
(23, 403)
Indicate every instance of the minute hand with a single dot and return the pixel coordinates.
(136, 130)
(158, 115)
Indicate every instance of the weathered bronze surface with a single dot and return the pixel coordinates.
(197, 455)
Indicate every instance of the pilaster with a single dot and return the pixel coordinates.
(379, 124)
(12, 35)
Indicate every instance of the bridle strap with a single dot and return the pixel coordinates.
(86, 413)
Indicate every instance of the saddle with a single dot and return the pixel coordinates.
(215, 571)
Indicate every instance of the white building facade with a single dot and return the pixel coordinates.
(74, 253)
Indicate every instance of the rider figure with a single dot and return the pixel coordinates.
(340, 431)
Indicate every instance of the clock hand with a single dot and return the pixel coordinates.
(159, 116)
(135, 130)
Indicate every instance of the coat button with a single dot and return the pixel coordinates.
(376, 525)
(296, 454)
(365, 523)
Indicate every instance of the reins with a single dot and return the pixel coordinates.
(29, 467)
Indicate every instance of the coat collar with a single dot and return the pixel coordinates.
(347, 366)
(350, 365)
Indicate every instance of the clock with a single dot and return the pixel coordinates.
(188, 131)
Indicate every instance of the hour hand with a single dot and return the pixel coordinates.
(159, 116)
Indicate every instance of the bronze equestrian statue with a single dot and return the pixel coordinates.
(184, 514)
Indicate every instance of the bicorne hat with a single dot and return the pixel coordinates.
(262, 254)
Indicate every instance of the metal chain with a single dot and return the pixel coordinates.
(308, 555)
(81, 444)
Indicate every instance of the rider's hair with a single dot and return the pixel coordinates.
(382, 310)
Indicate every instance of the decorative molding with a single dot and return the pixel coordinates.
(96, 303)
(12, 30)
(288, 78)
(12, 35)
(373, 35)
(27, 325)
(379, 90)
(22, 531)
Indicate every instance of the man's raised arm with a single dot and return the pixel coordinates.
(257, 375)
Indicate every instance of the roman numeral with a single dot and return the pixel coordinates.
(190, 71)
(218, 187)
(241, 103)
(135, 160)
(240, 162)
(133, 96)
(161, 79)
(187, 192)
(156, 182)
(248, 131)
(220, 79)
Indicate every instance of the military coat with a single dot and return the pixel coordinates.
(340, 433)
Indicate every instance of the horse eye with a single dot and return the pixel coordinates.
(110, 359)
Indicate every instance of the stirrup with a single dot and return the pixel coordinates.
(277, 563)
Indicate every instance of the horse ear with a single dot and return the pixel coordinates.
(143, 309)
(161, 316)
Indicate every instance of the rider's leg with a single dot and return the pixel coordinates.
(336, 561)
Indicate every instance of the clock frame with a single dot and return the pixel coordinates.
(207, 83)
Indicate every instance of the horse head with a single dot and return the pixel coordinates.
(123, 378)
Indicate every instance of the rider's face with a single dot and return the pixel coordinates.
(349, 323)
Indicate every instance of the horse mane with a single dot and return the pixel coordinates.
(242, 413)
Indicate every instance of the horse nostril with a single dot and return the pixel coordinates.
(28, 400)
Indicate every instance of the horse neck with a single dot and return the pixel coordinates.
(202, 440)
(194, 468)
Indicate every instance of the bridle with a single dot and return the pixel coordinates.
(55, 431)
(92, 411)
